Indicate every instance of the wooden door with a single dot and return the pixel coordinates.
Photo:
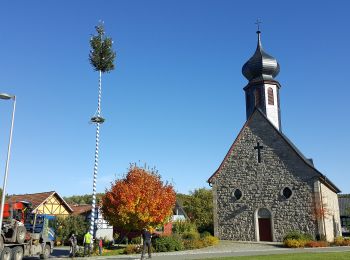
(265, 229)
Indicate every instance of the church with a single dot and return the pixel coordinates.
(265, 187)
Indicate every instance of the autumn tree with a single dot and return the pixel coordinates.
(138, 200)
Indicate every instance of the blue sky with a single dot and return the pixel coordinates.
(175, 100)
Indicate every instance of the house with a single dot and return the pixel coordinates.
(178, 215)
(50, 203)
(265, 187)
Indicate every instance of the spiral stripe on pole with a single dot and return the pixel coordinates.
(93, 214)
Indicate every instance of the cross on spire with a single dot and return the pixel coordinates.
(258, 22)
(259, 147)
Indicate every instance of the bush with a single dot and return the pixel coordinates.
(182, 226)
(136, 241)
(191, 235)
(200, 243)
(292, 243)
(132, 249)
(205, 234)
(168, 244)
(210, 240)
(340, 241)
(317, 244)
(193, 244)
(346, 242)
(297, 235)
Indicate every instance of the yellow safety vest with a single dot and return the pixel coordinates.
(87, 238)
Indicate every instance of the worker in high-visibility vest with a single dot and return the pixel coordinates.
(87, 243)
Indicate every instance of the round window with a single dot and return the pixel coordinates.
(237, 194)
(287, 192)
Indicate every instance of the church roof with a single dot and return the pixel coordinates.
(309, 163)
(261, 66)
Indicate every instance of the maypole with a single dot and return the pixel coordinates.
(101, 58)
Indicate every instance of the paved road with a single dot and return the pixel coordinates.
(224, 249)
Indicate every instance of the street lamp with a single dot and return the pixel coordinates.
(7, 97)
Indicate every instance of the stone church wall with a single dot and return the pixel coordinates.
(262, 185)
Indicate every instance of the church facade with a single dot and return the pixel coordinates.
(265, 187)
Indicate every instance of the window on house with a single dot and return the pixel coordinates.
(237, 194)
(287, 193)
(270, 96)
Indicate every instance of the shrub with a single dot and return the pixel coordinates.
(168, 244)
(297, 235)
(132, 249)
(340, 241)
(200, 242)
(182, 226)
(292, 243)
(210, 240)
(136, 241)
(205, 234)
(193, 244)
(346, 242)
(317, 244)
(191, 235)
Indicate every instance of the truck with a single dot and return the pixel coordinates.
(25, 233)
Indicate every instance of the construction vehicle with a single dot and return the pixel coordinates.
(24, 233)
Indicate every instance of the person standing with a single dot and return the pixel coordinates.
(146, 237)
(100, 245)
(87, 243)
(73, 244)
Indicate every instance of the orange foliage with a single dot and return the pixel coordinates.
(138, 200)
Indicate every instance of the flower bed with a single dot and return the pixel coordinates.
(296, 239)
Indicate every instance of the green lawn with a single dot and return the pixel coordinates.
(296, 256)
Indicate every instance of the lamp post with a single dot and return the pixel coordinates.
(7, 97)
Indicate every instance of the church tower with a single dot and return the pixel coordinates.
(262, 90)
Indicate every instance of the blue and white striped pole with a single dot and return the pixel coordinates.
(98, 122)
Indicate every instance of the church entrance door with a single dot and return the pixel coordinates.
(264, 224)
(265, 229)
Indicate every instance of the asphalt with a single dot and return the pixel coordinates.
(223, 249)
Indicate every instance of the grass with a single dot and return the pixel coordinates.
(296, 256)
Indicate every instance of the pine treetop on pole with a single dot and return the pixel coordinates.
(101, 55)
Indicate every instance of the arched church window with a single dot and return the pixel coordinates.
(257, 97)
(237, 194)
(287, 193)
(270, 96)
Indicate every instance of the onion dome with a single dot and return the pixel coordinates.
(261, 66)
